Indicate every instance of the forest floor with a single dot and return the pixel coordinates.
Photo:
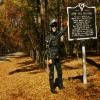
(21, 79)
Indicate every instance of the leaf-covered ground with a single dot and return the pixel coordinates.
(21, 79)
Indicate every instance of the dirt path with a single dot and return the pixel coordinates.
(20, 79)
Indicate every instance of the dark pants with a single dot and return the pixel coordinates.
(58, 81)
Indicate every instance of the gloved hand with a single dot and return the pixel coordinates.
(62, 38)
(50, 61)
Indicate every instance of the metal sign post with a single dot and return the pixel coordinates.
(82, 26)
(84, 64)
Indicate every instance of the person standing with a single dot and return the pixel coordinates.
(52, 48)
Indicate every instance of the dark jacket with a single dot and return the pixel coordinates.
(52, 44)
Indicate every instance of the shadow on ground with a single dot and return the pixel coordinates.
(65, 67)
(68, 59)
(26, 63)
(30, 68)
(27, 66)
(79, 77)
(91, 62)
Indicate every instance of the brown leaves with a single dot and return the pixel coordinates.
(32, 83)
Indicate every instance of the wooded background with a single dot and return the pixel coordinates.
(25, 23)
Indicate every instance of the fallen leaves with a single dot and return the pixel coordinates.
(32, 83)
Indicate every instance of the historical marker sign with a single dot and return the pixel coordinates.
(81, 22)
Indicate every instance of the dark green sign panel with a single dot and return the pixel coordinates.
(81, 22)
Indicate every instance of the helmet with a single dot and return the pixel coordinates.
(53, 23)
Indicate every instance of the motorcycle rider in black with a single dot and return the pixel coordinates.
(52, 48)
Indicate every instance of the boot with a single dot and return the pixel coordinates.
(53, 91)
